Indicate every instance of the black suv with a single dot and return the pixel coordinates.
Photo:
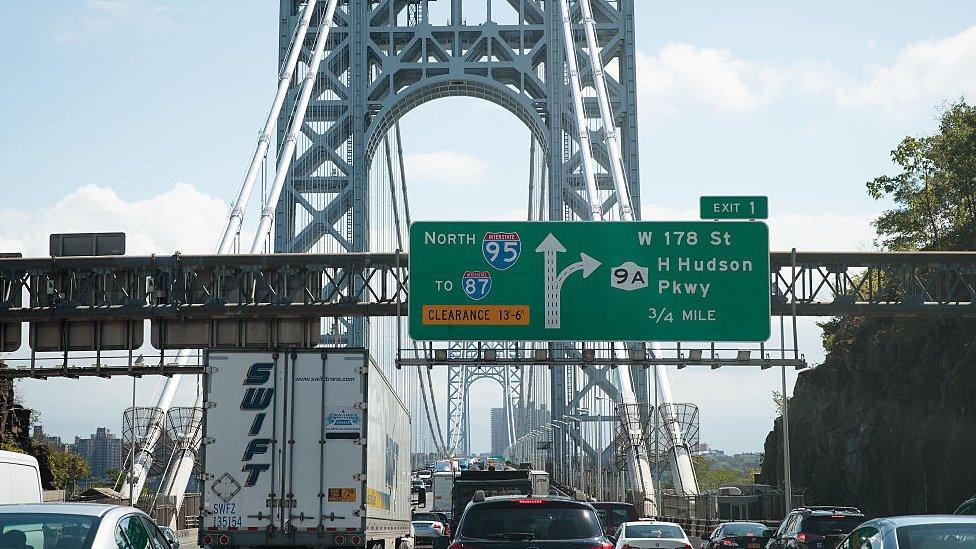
(614, 513)
(520, 522)
(820, 527)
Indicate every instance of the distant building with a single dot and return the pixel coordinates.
(499, 432)
(701, 448)
(102, 451)
(41, 436)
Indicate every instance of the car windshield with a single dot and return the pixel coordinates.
(426, 517)
(616, 515)
(546, 520)
(937, 536)
(743, 529)
(967, 508)
(46, 531)
(831, 524)
(654, 531)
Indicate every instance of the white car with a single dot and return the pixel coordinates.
(426, 531)
(79, 526)
(651, 535)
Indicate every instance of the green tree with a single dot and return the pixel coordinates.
(8, 444)
(934, 193)
(67, 468)
(711, 476)
(778, 401)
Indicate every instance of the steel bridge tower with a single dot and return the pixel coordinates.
(385, 57)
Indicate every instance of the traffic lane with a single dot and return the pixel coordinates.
(187, 538)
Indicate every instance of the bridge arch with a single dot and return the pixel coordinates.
(477, 87)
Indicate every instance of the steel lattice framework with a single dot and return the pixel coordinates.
(386, 57)
(375, 284)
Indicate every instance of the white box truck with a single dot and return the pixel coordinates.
(20, 478)
(442, 486)
(303, 448)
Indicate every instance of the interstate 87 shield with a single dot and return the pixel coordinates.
(585, 281)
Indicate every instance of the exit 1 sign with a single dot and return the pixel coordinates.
(734, 207)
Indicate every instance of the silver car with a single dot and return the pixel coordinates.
(78, 526)
(914, 532)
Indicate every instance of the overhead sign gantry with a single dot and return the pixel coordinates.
(584, 281)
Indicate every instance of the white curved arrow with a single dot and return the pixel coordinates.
(586, 264)
(551, 246)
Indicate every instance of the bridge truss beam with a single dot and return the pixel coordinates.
(375, 284)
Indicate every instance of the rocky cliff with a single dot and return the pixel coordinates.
(15, 423)
(888, 421)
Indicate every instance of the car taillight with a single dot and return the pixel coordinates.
(728, 542)
(529, 501)
(803, 537)
(606, 545)
(457, 545)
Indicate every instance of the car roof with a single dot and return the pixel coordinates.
(826, 512)
(651, 522)
(913, 520)
(559, 499)
(89, 509)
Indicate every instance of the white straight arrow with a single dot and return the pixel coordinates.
(551, 246)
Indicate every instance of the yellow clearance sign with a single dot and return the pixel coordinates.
(483, 315)
(342, 494)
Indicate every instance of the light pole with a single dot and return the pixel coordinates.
(562, 426)
(599, 447)
(582, 449)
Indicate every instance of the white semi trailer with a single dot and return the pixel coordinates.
(303, 448)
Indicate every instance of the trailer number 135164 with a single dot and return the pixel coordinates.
(226, 521)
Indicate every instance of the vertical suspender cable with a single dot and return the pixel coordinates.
(294, 129)
(586, 152)
(396, 213)
(403, 173)
(284, 79)
(609, 126)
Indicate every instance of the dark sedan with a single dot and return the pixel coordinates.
(747, 535)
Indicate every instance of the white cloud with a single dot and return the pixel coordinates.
(179, 219)
(446, 168)
(709, 77)
(919, 76)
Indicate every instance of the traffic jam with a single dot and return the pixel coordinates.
(492, 506)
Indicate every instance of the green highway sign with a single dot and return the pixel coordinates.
(587, 281)
(734, 207)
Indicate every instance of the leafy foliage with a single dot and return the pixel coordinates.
(935, 192)
(66, 466)
(9, 444)
(712, 474)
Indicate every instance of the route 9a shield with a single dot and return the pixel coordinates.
(476, 284)
(501, 250)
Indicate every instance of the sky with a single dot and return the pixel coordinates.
(142, 115)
